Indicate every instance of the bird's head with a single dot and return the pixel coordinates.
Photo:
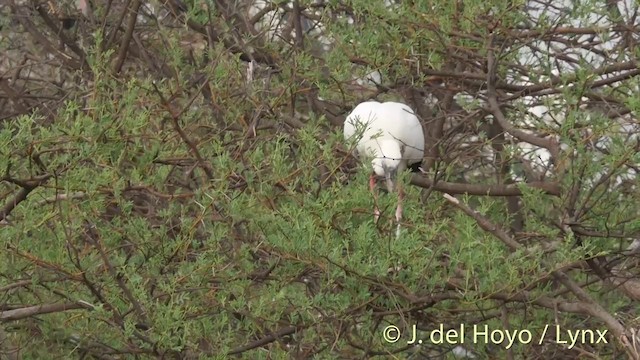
(388, 163)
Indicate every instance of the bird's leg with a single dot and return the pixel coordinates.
(399, 210)
(372, 187)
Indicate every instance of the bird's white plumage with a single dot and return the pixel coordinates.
(389, 133)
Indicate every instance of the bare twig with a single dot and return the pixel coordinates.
(176, 125)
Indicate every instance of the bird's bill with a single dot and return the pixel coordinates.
(390, 180)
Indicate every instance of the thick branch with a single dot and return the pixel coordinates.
(550, 188)
(126, 39)
(27, 187)
(25, 312)
(494, 107)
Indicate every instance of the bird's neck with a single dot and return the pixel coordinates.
(389, 156)
(389, 149)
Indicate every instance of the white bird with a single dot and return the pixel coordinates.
(391, 135)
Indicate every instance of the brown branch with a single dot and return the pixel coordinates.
(604, 178)
(267, 339)
(542, 301)
(62, 35)
(176, 125)
(263, 12)
(112, 27)
(484, 223)
(545, 88)
(11, 204)
(297, 25)
(126, 39)
(494, 107)
(22, 283)
(24, 20)
(27, 187)
(594, 85)
(565, 30)
(25, 312)
(257, 54)
(93, 237)
(604, 70)
(550, 188)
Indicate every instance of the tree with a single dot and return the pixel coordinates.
(174, 181)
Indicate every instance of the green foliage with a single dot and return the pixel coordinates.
(175, 210)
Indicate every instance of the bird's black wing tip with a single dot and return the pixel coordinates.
(415, 167)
